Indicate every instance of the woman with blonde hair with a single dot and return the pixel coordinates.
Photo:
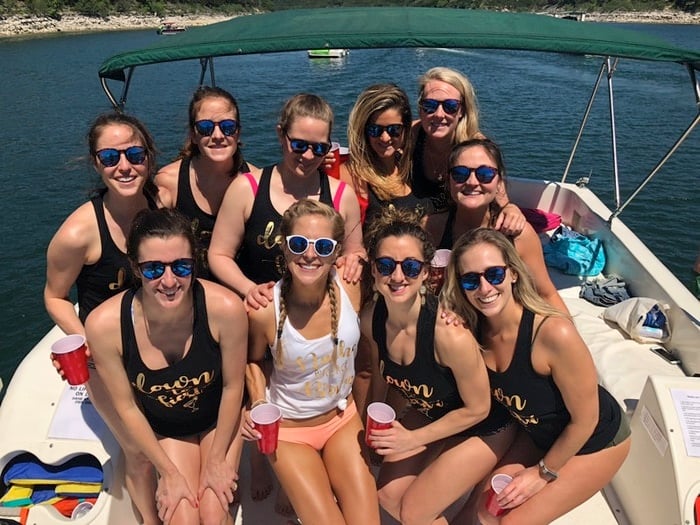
(573, 434)
(448, 115)
(312, 330)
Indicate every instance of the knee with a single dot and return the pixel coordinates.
(212, 514)
(389, 498)
(411, 513)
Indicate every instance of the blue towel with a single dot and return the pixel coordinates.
(26, 469)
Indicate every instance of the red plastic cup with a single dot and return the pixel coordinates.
(69, 351)
(498, 483)
(438, 269)
(341, 155)
(267, 421)
(379, 417)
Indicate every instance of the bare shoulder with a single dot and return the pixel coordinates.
(221, 301)
(79, 230)
(454, 344)
(556, 333)
(354, 292)
(103, 324)
(167, 180)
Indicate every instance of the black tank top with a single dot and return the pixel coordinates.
(433, 193)
(182, 399)
(536, 402)
(260, 257)
(375, 205)
(110, 275)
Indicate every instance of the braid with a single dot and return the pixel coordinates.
(330, 286)
(284, 290)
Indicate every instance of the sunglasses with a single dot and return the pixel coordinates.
(319, 149)
(494, 275)
(155, 269)
(449, 106)
(323, 246)
(484, 174)
(393, 130)
(109, 157)
(206, 127)
(410, 267)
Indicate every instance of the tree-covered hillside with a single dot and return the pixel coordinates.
(55, 8)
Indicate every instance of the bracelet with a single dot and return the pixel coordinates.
(545, 473)
(258, 403)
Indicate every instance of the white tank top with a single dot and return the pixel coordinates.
(306, 383)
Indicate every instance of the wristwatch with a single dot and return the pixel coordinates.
(545, 473)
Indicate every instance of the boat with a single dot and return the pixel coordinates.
(170, 28)
(659, 482)
(327, 53)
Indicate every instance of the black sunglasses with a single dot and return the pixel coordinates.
(449, 106)
(494, 275)
(484, 174)
(206, 127)
(155, 269)
(410, 267)
(319, 149)
(323, 246)
(109, 157)
(393, 130)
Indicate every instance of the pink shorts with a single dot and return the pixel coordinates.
(317, 436)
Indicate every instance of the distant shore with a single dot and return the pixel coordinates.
(19, 26)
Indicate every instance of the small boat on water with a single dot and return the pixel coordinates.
(170, 28)
(659, 483)
(327, 53)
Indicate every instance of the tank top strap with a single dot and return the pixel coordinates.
(201, 319)
(184, 191)
(446, 242)
(523, 342)
(324, 195)
(379, 317)
(425, 329)
(106, 241)
(252, 181)
(339, 195)
(127, 326)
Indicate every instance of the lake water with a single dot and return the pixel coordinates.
(530, 103)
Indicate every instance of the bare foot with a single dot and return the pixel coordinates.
(260, 479)
(283, 506)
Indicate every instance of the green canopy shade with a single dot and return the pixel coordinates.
(387, 27)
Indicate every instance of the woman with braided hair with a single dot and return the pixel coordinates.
(312, 330)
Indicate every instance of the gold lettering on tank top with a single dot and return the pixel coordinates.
(184, 391)
(121, 279)
(516, 405)
(268, 239)
(324, 370)
(417, 395)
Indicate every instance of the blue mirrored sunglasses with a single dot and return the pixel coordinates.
(155, 269)
(393, 130)
(410, 267)
(319, 149)
(109, 157)
(206, 127)
(323, 246)
(484, 174)
(494, 275)
(431, 105)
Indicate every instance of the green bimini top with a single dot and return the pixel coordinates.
(388, 27)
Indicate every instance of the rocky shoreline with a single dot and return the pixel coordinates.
(21, 26)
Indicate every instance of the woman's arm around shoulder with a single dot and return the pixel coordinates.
(228, 234)
(75, 244)
(378, 387)
(353, 250)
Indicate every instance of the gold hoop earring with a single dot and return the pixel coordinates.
(375, 294)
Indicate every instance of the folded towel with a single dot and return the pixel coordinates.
(26, 469)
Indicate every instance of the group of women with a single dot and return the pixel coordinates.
(311, 291)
